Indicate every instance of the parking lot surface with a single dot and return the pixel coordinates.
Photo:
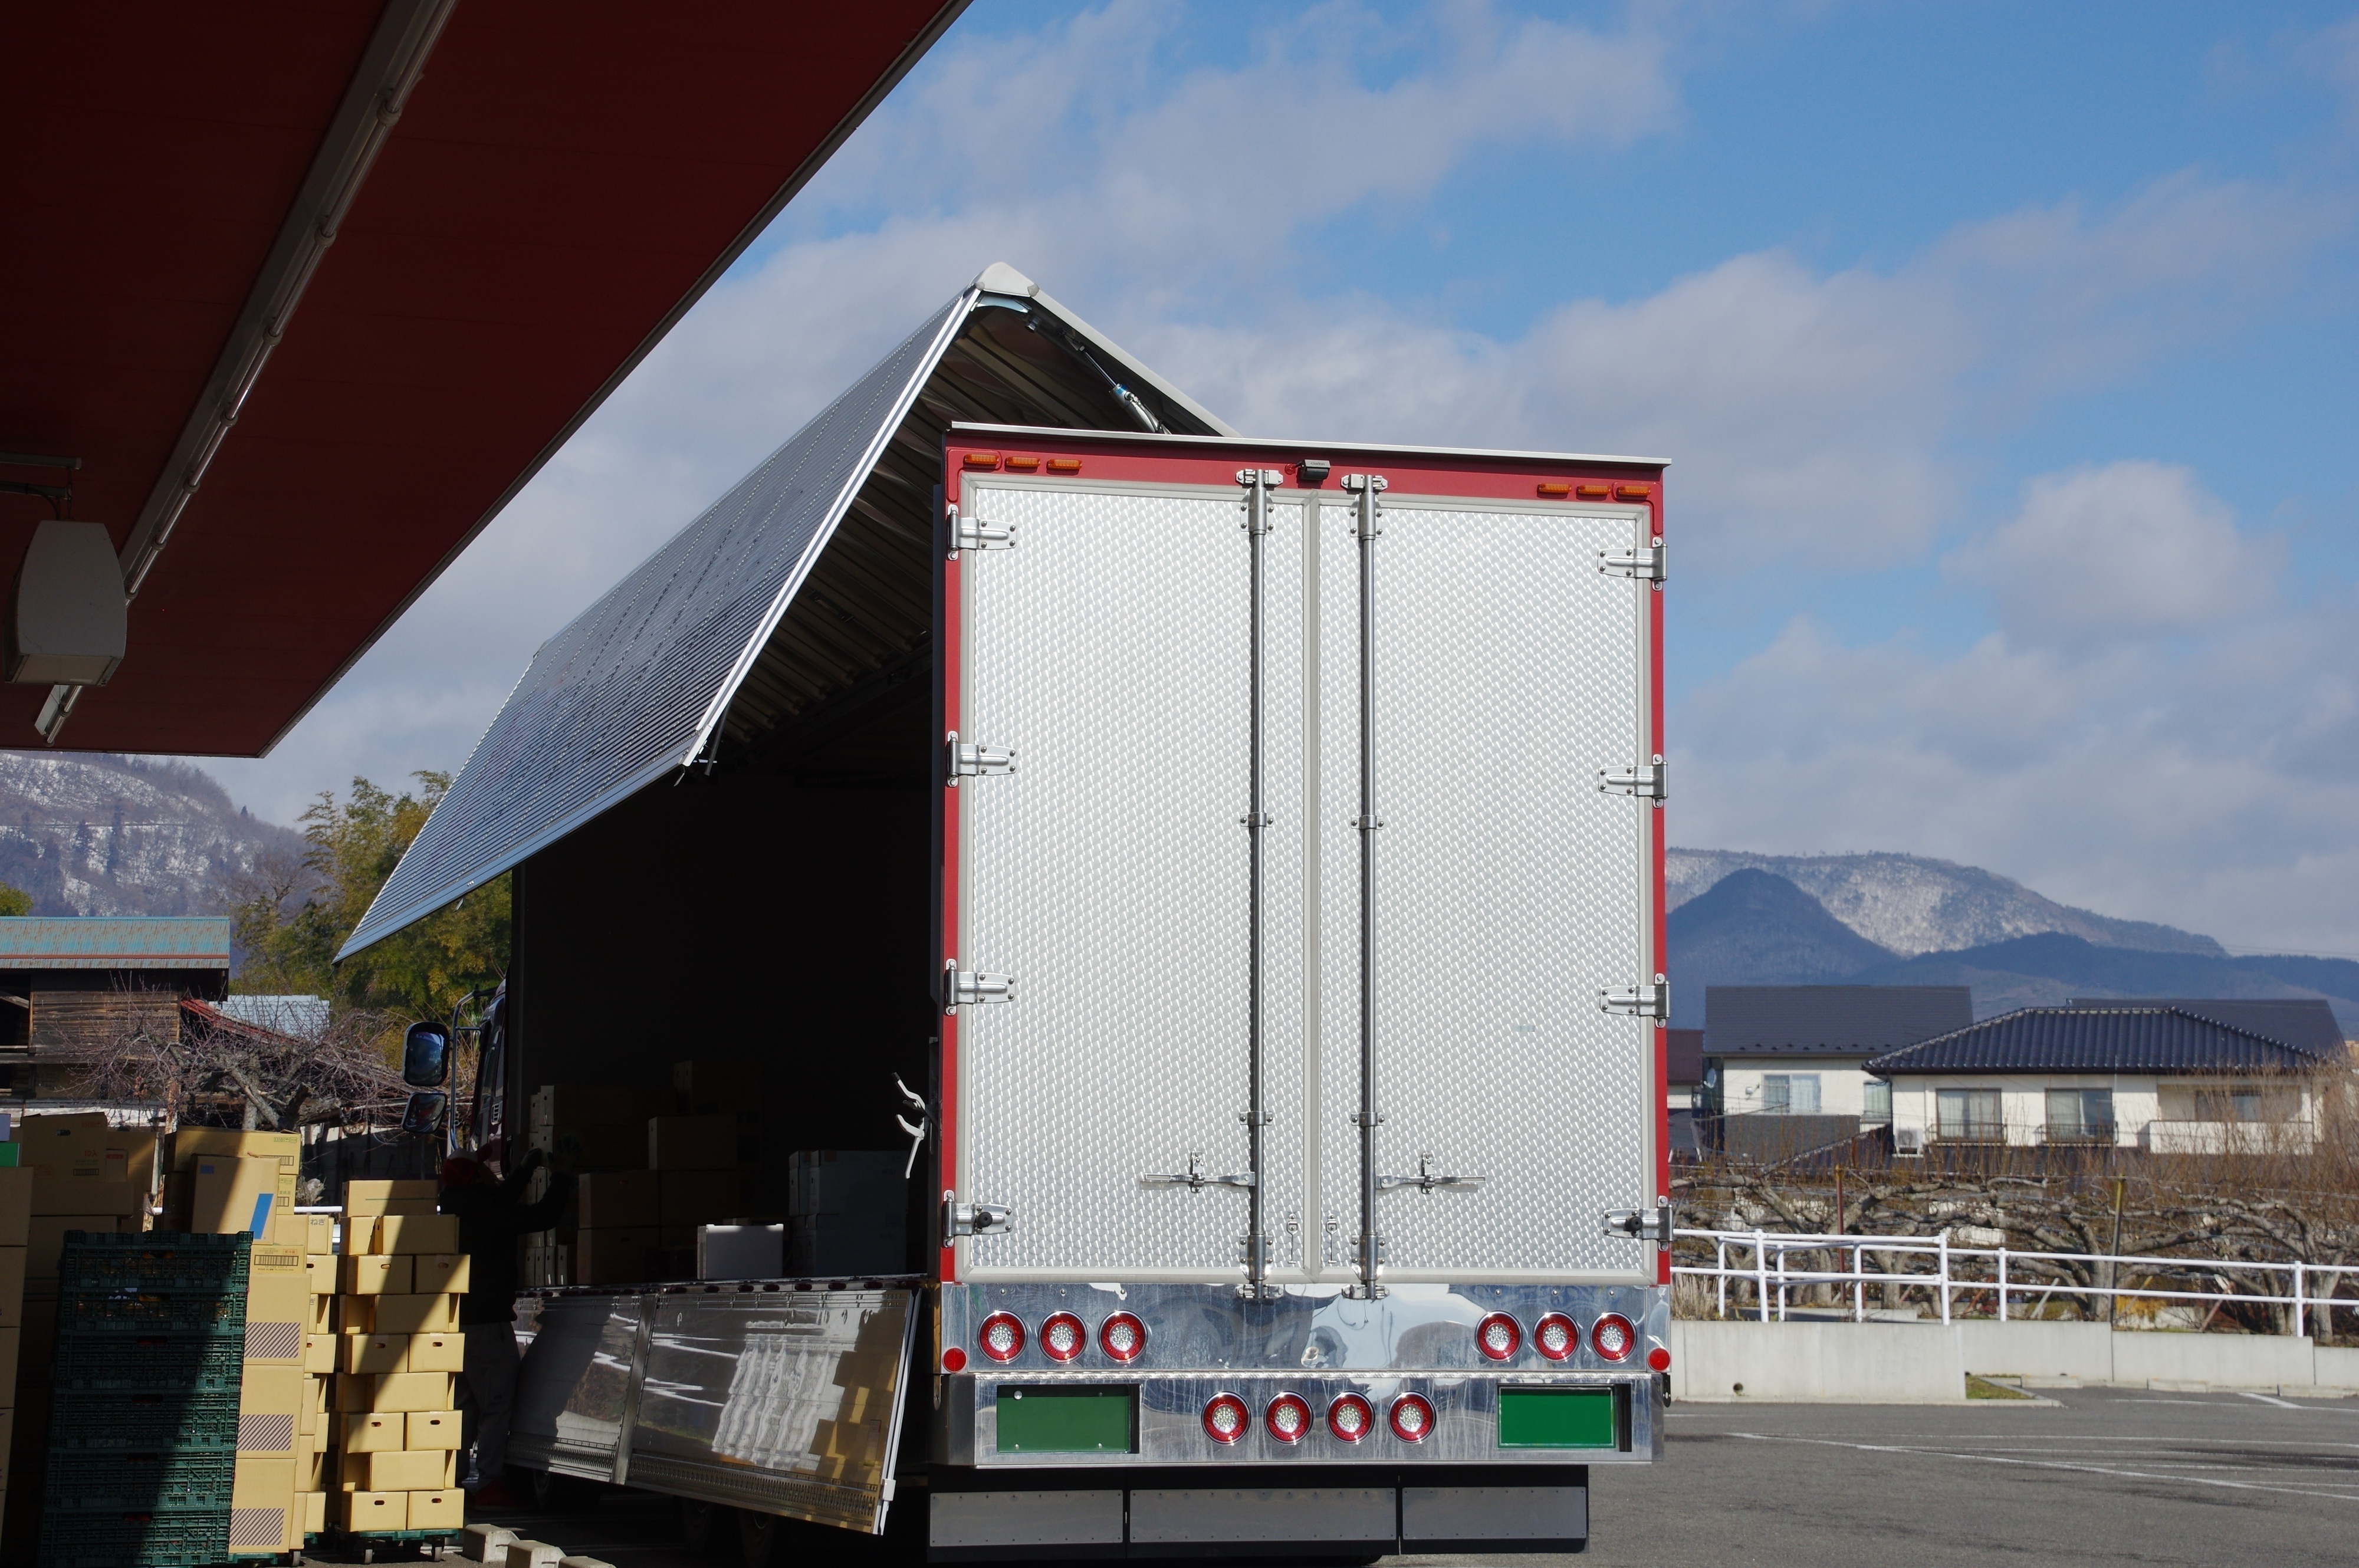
(2112, 1477)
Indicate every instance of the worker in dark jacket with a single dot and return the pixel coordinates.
(492, 1214)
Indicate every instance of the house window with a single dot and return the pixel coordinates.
(1974, 1115)
(1876, 1101)
(2078, 1115)
(1789, 1093)
(2247, 1103)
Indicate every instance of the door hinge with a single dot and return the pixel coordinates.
(971, 759)
(1640, 1225)
(1648, 781)
(1196, 1178)
(1651, 565)
(966, 988)
(1429, 1180)
(975, 1219)
(1639, 1001)
(973, 533)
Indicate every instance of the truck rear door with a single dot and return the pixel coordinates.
(1156, 658)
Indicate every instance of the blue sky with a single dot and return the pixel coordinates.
(2004, 354)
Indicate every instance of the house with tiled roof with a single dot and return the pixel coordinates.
(2166, 1077)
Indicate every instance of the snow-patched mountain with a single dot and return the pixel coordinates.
(93, 834)
(1911, 904)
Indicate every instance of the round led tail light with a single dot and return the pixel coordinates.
(1613, 1337)
(1660, 1359)
(1063, 1337)
(1555, 1337)
(1497, 1336)
(1350, 1418)
(1412, 1418)
(1287, 1418)
(1001, 1336)
(1122, 1337)
(1226, 1419)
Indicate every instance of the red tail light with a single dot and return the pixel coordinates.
(1613, 1337)
(1063, 1337)
(1287, 1418)
(1660, 1359)
(1350, 1418)
(1226, 1419)
(1497, 1336)
(1412, 1418)
(1001, 1336)
(1555, 1337)
(1122, 1337)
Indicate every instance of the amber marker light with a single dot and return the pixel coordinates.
(1555, 489)
(1632, 492)
(1021, 463)
(1595, 492)
(981, 459)
(1064, 465)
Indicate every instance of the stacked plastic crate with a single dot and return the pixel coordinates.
(398, 1352)
(143, 1434)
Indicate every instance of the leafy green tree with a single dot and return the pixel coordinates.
(291, 921)
(15, 901)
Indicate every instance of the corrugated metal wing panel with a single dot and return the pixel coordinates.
(632, 688)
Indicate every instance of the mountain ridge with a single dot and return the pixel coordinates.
(90, 833)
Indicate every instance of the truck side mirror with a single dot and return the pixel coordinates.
(425, 1056)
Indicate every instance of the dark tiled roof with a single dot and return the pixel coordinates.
(2307, 1023)
(1829, 1020)
(2092, 1039)
(1684, 1056)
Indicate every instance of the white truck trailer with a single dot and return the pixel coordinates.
(1254, 847)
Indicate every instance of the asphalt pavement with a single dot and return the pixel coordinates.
(2099, 1477)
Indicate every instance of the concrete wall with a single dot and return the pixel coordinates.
(1888, 1363)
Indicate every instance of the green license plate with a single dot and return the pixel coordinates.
(1555, 1418)
(1068, 1420)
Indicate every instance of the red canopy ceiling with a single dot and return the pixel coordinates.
(566, 177)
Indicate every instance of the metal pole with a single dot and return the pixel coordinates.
(1719, 1273)
(2002, 1284)
(1945, 1276)
(1761, 1274)
(1369, 487)
(1859, 1284)
(1256, 1117)
(2298, 1310)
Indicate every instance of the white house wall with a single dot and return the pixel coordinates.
(1842, 1086)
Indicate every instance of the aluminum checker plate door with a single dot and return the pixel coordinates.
(1510, 890)
(1106, 877)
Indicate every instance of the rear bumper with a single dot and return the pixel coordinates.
(1253, 1510)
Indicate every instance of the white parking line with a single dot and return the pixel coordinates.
(2270, 1400)
(2049, 1465)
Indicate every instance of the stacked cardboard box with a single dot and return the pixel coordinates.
(589, 1129)
(847, 1212)
(311, 1434)
(392, 1402)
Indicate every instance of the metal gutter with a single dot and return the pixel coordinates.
(405, 34)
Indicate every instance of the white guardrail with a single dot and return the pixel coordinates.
(1771, 1272)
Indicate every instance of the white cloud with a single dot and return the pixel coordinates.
(2130, 549)
(2173, 757)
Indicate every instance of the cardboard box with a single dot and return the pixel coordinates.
(442, 1509)
(612, 1257)
(584, 1104)
(432, 1429)
(55, 1192)
(437, 1352)
(270, 1403)
(712, 1088)
(692, 1198)
(595, 1146)
(233, 1192)
(12, 1287)
(617, 1200)
(376, 1353)
(261, 1501)
(396, 1233)
(321, 1351)
(409, 1470)
(318, 1233)
(412, 1315)
(315, 1513)
(278, 1312)
(691, 1143)
(141, 1153)
(70, 1145)
(311, 1463)
(404, 1391)
(45, 1241)
(371, 1432)
(438, 1274)
(11, 1339)
(16, 1204)
(320, 1273)
(262, 1482)
(189, 1144)
(376, 1511)
(389, 1198)
(324, 1314)
(378, 1274)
